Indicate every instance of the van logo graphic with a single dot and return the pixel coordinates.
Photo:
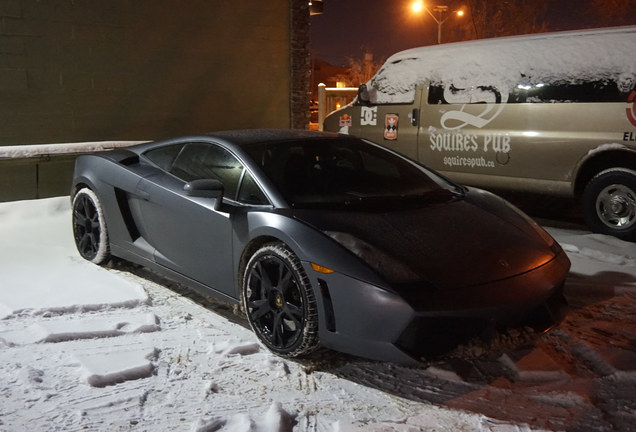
(631, 110)
(391, 127)
(491, 99)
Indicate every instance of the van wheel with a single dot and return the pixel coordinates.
(609, 203)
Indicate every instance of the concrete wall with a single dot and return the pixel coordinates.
(36, 177)
(91, 70)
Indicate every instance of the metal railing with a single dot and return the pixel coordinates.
(43, 170)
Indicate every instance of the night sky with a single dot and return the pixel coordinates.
(347, 26)
(389, 26)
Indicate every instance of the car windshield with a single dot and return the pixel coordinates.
(345, 172)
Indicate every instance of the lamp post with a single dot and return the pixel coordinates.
(441, 10)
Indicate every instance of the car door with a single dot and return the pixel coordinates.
(190, 236)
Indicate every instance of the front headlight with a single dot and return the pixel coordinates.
(500, 206)
(391, 269)
(547, 238)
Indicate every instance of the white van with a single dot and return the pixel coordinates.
(551, 113)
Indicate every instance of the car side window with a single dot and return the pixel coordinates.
(208, 161)
(193, 161)
(250, 192)
(164, 157)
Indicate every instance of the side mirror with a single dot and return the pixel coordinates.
(204, 188)
(363, 95)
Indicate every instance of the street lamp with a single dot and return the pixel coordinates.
(441, 10)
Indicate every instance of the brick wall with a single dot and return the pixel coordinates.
(95, 70)
(87, 70)
(300, 65)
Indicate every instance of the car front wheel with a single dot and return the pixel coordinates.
(280, 302)
(609, 201)
(89, 227)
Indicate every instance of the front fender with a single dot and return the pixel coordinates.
(310, 245)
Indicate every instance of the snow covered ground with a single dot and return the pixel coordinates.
(86, 347)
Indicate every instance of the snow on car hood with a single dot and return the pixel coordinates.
(455, 244)
(504, 63)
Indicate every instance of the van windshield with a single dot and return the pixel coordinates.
(346, 173)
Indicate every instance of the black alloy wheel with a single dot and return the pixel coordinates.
(89, 227)
(279, 301)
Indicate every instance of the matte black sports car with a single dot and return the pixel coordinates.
(324, 239)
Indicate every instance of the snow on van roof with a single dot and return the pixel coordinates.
(504, 63)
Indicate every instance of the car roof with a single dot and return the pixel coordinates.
(242, 137)
(237, 139)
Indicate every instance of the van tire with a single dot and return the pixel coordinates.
(609, 203)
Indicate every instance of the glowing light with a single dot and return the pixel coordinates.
(321, 269)
(460, 13)
(417, 6)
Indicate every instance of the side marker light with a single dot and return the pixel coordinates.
(321, 269)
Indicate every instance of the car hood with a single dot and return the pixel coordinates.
(458, 243)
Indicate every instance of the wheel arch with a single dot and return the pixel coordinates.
(76, 187)
(600, 161)
(250, 249)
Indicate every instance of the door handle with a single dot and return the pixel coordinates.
(414, 115)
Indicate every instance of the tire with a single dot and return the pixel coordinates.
(609, 203)
(279, 301)
(89, 227)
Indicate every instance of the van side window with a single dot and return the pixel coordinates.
(436, 94)
(449, 94)
(555, 92)
(565, 92)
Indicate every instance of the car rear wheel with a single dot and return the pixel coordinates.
(89, 227)
(609, 201)
(280, 302)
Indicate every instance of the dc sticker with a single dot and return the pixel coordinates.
(391, 127)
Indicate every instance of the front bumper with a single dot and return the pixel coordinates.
(365, 320)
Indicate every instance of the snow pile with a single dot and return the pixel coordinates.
(507, 62)
(275, 419)
(111, 368)
(601, 265)
(62, 281)
(53, 331)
